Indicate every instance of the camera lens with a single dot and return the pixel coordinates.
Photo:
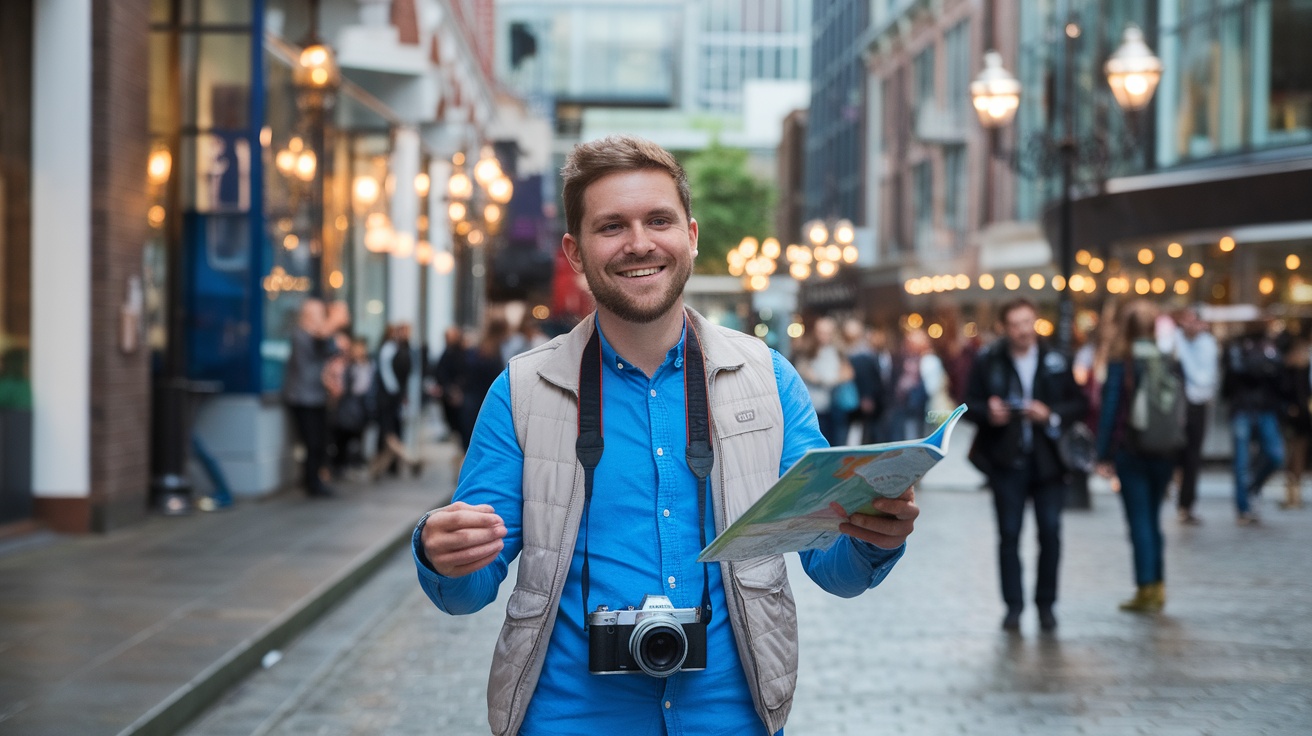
(658, 646)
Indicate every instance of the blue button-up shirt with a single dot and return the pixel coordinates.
(642, 538)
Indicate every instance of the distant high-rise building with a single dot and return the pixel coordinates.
(835, 137)
(690, 58)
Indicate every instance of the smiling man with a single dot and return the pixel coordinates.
(605, 460)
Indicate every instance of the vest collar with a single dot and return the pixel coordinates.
(562, 368)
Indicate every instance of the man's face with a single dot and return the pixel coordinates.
(636, 246)
(1191, 324)
(1020, 328)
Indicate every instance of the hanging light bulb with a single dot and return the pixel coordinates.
(488, 169)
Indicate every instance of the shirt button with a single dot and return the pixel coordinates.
(660, 452)
(667, 705)
(666, 512)
(619, 366)
(671, 581)
(653, 393)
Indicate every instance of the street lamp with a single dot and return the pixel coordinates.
(477, 209)
(754, 261)
(830, 246)
(1132, 74)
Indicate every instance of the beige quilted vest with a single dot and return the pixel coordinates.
(747, 425)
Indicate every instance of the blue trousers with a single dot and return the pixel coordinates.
(1143, 486)
(1245, 426)
(1011, 490)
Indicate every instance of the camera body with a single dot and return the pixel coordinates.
(656, 639)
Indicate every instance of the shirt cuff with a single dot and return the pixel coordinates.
(877, 557)
(417, 548)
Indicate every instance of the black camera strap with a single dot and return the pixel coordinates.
(699, 453)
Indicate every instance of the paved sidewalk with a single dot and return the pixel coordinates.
(922, 655)
(140, 630)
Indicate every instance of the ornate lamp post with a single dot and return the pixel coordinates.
(317, 79)
(1132, 74)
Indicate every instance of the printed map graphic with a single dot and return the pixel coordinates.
(796, 513)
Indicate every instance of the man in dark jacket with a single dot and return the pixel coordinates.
(1251, 384)
(1020, 394)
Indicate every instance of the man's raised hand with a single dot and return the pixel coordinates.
(459, 539)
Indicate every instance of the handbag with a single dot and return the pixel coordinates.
(845, 397)
(1077, 448)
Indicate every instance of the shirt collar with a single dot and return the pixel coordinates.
(615, 361)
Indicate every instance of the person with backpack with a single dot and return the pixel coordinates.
(1141, 430)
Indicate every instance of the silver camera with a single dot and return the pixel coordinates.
(655, 638)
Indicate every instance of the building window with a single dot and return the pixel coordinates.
(15, 209)
(957, 50)
(924, 80)
(923, 204)
(954, 185)
(1238, 77)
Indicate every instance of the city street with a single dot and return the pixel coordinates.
(922, 654)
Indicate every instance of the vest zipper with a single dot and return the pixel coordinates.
(753, 682)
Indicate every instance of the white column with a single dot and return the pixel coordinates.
(61, 249)
(403, 272)
(402, 269)
(441, 287)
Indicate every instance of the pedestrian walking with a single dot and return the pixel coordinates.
(1297, 386)
(612, 515)
(888, 375)
(1251, 384)
(920, 378)
(1020, 394)
(448, 375)
(483, 363)
(350, 380)
(393, 377)
(868, 380)
(825, 369)
(1123, 452)
(303, 390)
(1196, 349)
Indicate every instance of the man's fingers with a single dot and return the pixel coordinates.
(461, 538)
(474, 566)
(902, 507)
(467, 559)
(887, 532)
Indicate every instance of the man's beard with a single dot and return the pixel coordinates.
(614, 300)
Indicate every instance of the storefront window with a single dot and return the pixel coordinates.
(15, 223)
(1238, 77)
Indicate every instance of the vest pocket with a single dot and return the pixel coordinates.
(761, 576)
(772, 625)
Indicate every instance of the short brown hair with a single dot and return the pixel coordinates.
(1012, 305)
(590, 161)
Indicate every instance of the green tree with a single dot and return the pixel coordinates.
(728, 202)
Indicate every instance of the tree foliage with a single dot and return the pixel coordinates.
(728, 202)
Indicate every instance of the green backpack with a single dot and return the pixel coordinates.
(1157, 409)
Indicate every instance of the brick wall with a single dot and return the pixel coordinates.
(120, 383)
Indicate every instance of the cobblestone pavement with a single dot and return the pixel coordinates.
(923, 654)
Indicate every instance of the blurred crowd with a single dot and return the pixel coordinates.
(871, 384)
(350, 402)
(1132, 403)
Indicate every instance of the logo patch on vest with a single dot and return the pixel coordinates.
(745, 416)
